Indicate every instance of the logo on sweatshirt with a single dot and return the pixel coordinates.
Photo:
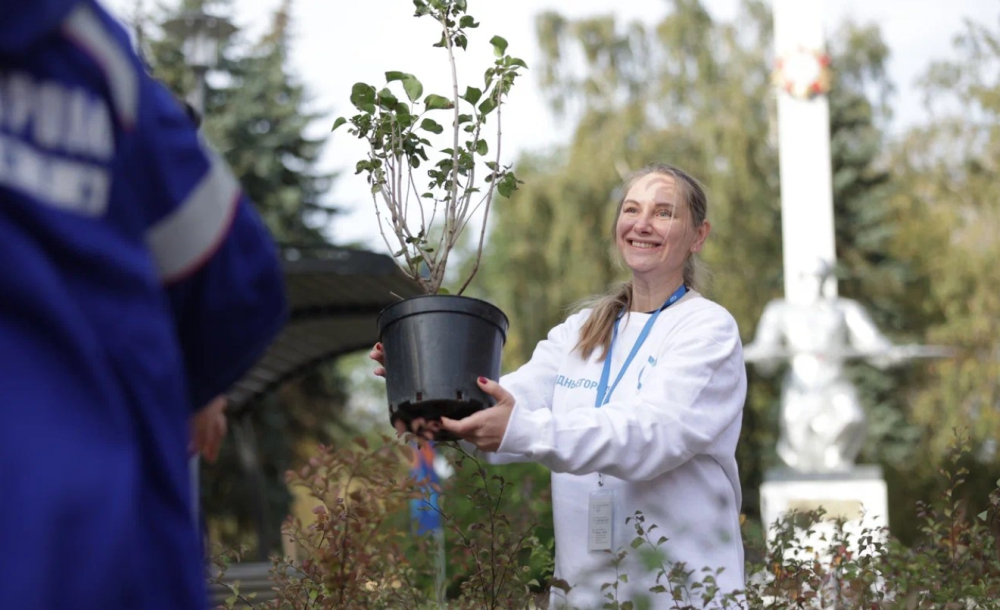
(572, 384)
(651, 362)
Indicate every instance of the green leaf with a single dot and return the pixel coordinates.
(983, 515)
(472, 95)
(514, 61)
(362, 95)
(499, 45)
(488, 106)
(412, 87)
(482, 147)
(386, 99)
(443, 291)
(431, 126)
(507, 185)
(393, 75)
(340, 121)
(437, 102)
(468, 22)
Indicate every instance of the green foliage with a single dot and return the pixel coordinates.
(868, 268)
(243, 495)
(395, 127)
(358, 552)
(351, 558)
(497, 557)
(954, 563)
(949, 227)
(947, 224)
(257, 121)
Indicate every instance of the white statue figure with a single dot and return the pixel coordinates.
(822, 423)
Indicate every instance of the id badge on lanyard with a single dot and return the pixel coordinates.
(601, 520)
(601, 505)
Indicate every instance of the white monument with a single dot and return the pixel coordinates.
(822, 423)
(822, 426)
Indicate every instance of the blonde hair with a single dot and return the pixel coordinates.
(596, 331)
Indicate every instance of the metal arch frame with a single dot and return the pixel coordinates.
(359, 284)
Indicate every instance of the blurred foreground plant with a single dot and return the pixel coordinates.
(351, 556)
(953, 564)
(359, 554)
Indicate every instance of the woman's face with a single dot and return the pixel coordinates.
(655, 232)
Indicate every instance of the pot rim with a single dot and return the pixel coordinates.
(443, 303)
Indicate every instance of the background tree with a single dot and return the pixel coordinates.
(949, 226)
(257, 117)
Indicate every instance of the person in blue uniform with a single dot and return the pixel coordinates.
(136, 285)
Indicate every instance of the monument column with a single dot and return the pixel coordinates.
(802, 79)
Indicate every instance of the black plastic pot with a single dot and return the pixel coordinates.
(435, 348)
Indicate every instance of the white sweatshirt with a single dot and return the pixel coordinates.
(665, 443)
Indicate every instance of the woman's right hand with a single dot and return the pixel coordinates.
(425, 429)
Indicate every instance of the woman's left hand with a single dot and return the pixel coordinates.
(486, 428)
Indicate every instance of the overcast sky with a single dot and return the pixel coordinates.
(337, 43)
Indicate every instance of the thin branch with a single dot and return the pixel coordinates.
(398, 172)
(437, 274)
(399, 187)
(429, 257)
(489, 199)
(463, 215)
(381, 226)
(420, 205)
(468, 218)
(390, 198)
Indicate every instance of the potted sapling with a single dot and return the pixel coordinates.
(426, 196)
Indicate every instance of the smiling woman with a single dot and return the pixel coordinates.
(660, 225)
(646, 424)
(655, 234)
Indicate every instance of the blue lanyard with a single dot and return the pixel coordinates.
(603, 391)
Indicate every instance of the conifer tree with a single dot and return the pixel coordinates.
(256, 116)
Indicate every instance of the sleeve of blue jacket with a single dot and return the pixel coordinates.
(213, 254)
